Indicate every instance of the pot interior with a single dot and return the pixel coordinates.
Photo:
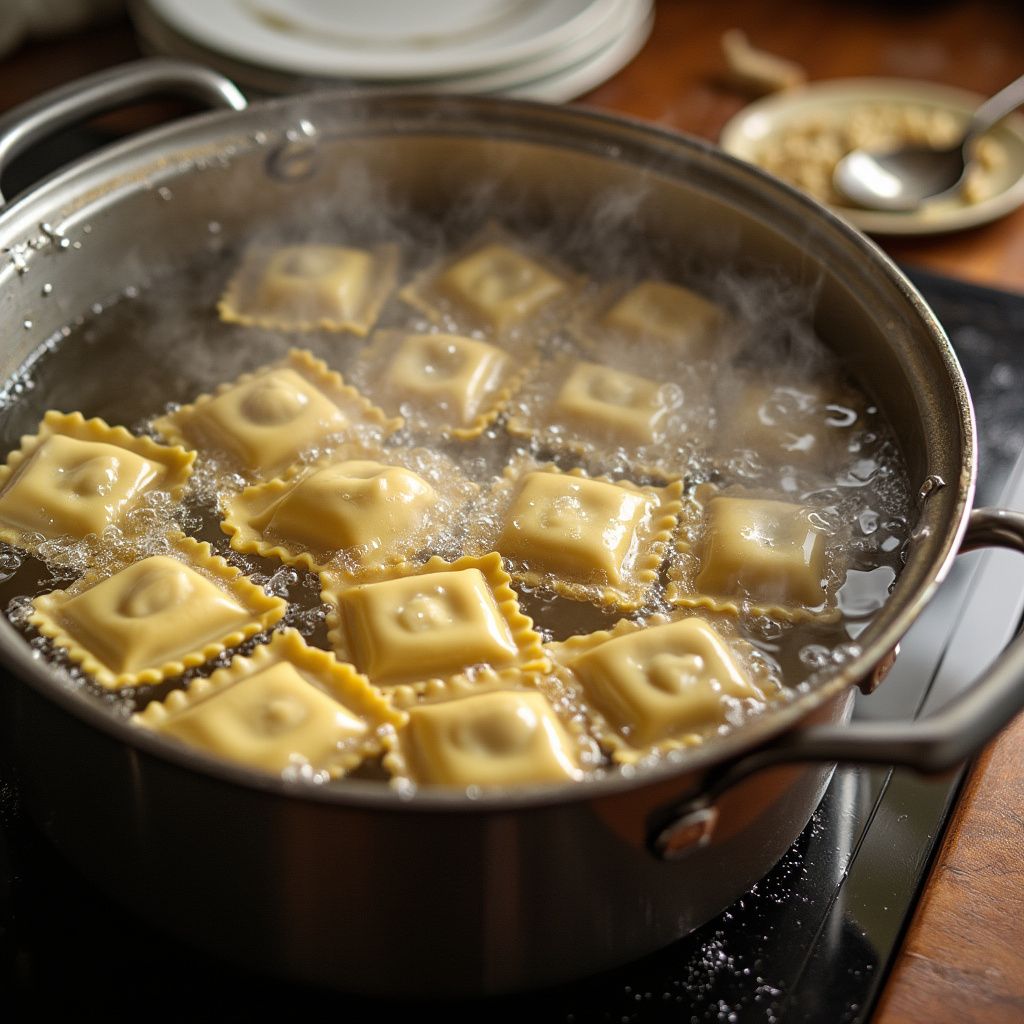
(170, 212)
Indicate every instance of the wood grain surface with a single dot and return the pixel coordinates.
(963, 959)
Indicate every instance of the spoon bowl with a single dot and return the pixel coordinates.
(900, 179)
(903, 179)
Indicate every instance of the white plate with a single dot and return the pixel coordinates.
(569, 83)
(615, 34)
(744, 134)
(494, 34)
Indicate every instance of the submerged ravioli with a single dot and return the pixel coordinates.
(300, 287)
(610, 405)
(497, 738)
(762, 551)
(266, 419)
(314, 281)
(499, 285)
(439, 623)
(665, 312)
(660, 682)
(288, 703)
(373, 512)
(75, 477)
(156, 617)
(450, 380)
(790, 424)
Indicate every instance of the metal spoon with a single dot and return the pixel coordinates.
(902, 179)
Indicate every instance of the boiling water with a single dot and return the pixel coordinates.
(129, 361)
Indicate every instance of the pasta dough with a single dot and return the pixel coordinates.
(75, 477)
(156, 617)
(498, 738)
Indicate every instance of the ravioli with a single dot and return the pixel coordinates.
(156, 617)
(497, 738)
(286, 705)
(74, 477)
(798, 424)
(666, 313)
(369, 512)
(586, 538)
(493, 284)
(445, 384)
(660, 685)
(440, 622)
(598, 406)
(760, 555)
(308, 287)
(265, 420)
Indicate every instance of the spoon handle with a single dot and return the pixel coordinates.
(995, 108)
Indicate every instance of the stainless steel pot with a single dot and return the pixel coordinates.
(354, 885)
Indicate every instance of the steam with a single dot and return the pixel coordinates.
(163, 344)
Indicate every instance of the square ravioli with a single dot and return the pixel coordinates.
(665, 312)
(492, 284)
(754, 554)
(284, 707)
(74, 477)
(583, 407)
(798, 424)
(444, 384)
(444, 621)
(156, 617)
(266, 419)
(310, 287)
(496, 738)
(656, 686)
(586, 538)
(355, 513)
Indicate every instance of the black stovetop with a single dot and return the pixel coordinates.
(810, 942)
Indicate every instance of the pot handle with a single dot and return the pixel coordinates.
(105, 91)
(933, 744)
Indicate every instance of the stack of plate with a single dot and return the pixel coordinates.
(550, 50)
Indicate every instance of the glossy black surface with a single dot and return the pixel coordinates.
(810, 942)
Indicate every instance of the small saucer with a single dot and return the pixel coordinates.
(745, 134)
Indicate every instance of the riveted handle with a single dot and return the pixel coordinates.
(935, 743)
(105, 91)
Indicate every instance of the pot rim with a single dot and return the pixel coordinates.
(126, 163)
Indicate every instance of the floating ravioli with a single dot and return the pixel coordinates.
(492, 284)
(156, 617)
(497, 738)
(447, 383)
(75, 477)
(757, 553)
(665, 312)
(437, 624)
(287, 704)
(658, 685)
(372, 512)
(266, 419)
(588, 538)
(310, 287)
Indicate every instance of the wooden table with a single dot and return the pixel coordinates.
(963, 959)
